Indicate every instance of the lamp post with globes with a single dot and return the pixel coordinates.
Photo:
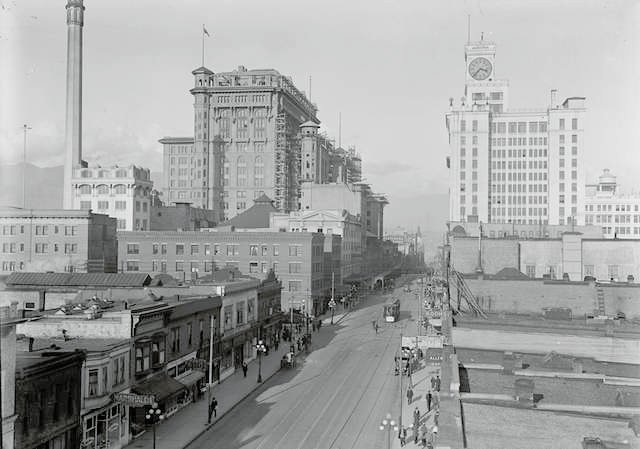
(387, 424)
(154, 415)
(260, 348)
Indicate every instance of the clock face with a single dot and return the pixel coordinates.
(480, 69)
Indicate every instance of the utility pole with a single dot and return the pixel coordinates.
(24, 168)
(400, 420)
(211, 325)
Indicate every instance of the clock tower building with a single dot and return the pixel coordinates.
(520, 167)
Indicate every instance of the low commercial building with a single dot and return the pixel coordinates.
(57, 240)
(48, 394)
(105, 374)
(123, 193)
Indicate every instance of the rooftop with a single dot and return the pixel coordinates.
(24, 279)
(256, 217)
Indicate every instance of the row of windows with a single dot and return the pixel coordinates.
(518, 165)
(518, 153)
(612, 218)
(118, 189)
(518, 199)
(69, 248)
(519, 211)
(519, 127)
(68, 230)
(519, 176)
(216, 249)
(518, 188)
(122, 173)
(609, 207)
(518, 141)
(621, 230)
(207, 266)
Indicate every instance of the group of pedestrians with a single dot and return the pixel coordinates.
(421, 434)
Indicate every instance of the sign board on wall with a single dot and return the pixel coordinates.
(424, 341)
(134, 400)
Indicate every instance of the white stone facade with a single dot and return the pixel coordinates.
(123, 193)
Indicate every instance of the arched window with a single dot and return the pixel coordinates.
(258, 172)
(121, 189)
(85, 189)
(103, 189)
(242, 171)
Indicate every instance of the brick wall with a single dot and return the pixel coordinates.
(496, 254)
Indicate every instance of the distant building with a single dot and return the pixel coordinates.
(57, 240)
(48, 394)
(329, 222)
(511, 166)
(123, 193)
(618, 214)
(181, 216)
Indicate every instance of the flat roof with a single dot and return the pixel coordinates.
(494, 427)
(78, 279)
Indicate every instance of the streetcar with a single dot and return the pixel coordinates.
(391, 311)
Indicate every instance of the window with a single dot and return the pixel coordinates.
(85, 205)
(589, 270)
(195, 249)
(121, 205)
(122, 224)
(574, 123)
(70, 230)
(155, 248)
(561, 124)
(253, 250)
(474, 127)
(240, 313)
(612, 272)
(179, 249)
(295, 250)
(121, 189)
(133, 248)
(241, 171)
(294, 267)
(180, 265)
(157, 350)
(41, 248)
(195, 267)
(175, 339)
(133, 265)
(189, 334)
(295, 286)
(93, 383)
(228, 317)
(258, 172)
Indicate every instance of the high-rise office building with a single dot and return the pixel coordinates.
(246, 142)
(509, 165)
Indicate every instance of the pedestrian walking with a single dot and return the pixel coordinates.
(245, 367)
(423, 435)
(433, 383)
(429, 397)
(313, 326)
(276, 344)
(436, 400)
(376, 328)
(403, 437)
(409, 395)
(213, 408)
(416, 416)
(437, 383)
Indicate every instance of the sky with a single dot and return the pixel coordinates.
(388, 67)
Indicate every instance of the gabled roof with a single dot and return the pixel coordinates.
(25, 279)
(257, 216)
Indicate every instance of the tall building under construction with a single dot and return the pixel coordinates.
(246, 142)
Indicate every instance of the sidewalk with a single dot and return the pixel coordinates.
(421, 380)
(183, 427)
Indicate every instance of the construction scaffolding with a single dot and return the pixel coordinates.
(281, 164)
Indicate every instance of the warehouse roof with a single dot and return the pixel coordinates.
(23, 279)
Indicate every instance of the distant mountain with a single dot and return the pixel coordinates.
(43, 186)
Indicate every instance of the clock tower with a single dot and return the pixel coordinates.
(481, 85)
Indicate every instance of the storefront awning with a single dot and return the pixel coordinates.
(191, 378)
(161, 386)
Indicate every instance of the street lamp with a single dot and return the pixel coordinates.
(154, 415)
(260, 348)
(388, 424)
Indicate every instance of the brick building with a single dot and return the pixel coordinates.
(57, 240)
(48, 394)
(296, 257)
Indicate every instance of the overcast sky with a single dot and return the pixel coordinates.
(388, 66)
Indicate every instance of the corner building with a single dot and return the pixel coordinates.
(508, 165)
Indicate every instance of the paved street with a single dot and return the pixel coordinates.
(335, 398)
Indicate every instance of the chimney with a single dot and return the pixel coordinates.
(554, 98)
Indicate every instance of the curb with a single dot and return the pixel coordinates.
(209, 426)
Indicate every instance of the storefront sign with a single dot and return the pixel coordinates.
(134, 400)
(197, 364)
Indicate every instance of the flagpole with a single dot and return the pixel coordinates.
(203, 45)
